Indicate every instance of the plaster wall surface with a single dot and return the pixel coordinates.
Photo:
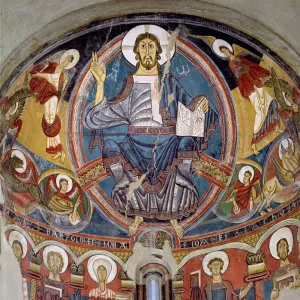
(21, 19)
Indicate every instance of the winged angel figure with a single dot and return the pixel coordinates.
(65, 198)
(250, 78)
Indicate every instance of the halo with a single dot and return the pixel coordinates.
(62, 176)
(216, 47)
(75, 55)
(243, 171)
(217, 254)
(97, 260)
(129, 41)
(19, 154)
(15, 108)
(281, 233)
(17, 236)
(58, 250)
(286, 100)
(285, 144)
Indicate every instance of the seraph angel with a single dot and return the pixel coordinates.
(65, 198)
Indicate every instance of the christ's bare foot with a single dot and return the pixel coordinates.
(178, 228)
(133, 227)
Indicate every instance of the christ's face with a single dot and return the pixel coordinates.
(147, 50)
(215, 267)
(282, 250)
(102, 273)
(55, 264)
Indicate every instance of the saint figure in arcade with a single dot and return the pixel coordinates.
(287, 275)
(48, 81)
(52, 287)
(163, 139)
(214, 265)
(18, 244)
(102, 270)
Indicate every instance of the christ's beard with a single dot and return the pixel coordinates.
(148, 63)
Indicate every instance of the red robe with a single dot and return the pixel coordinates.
(243, 196)
(43, 89)
(248, 75)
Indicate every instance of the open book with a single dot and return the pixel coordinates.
(190, 123)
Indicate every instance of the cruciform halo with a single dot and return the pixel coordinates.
(129, 41)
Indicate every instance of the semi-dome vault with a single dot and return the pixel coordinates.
(152, 156)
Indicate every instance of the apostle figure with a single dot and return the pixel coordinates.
(153, 151)
(214, 265)
(287, 275)
(245, 192)
(61, 201)
(48, 82)
(52, 287)
(18, 244)
(102, 270)
(250, 78)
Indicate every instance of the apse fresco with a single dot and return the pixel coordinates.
(153, 157)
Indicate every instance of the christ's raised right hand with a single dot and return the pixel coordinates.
(98, 70)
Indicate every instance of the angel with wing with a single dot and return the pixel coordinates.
(250, 78)
(65, 198)
(48, 82)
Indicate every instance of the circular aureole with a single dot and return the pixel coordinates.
(59, 250)
(66, 177)
(285, 144)
(17, 236)
(219, 43)
(105, 261)
(129, 41)
(217, 254)
(75, 60)
(20, 155)
(281, 233)
(243, 171)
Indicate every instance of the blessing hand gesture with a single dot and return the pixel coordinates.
(98, 70)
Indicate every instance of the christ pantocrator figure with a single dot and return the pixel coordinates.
(151, 147)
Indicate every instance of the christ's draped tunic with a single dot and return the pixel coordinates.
(150, 147)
